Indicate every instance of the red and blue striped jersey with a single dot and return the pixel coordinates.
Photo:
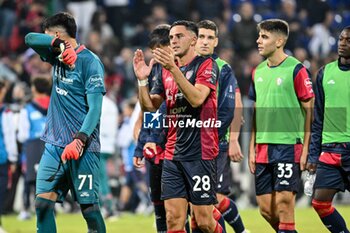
(192, 134)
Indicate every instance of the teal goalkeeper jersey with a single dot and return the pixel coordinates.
(68, 105)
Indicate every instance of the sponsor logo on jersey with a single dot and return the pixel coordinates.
(331, 82)
(96, 80)
(307, 83)
(259, 79)
(178, 110)
(61, 91)
(210, 72)
(66, 80)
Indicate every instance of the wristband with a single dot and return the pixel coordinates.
(142, 83)
(81, 136)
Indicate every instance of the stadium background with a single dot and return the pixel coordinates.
(113, 29)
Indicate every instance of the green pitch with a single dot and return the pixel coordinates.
(307, 222)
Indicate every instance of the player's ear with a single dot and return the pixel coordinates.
(216, 42)
(280, 41)
(194, 41)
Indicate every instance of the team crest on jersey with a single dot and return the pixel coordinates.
(169, 95)
(279, 81)
(189, 74)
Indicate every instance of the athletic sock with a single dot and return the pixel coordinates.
(93, 218)
(286, 227)
(330, 216)
(160, 215)
(229, 212)
(44, 209)
(218, 217)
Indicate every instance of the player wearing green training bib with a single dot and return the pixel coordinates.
(283, 96)
(330, 140)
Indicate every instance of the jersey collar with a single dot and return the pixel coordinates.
(80, 48)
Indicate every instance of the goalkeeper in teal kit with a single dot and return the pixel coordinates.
(71, 157)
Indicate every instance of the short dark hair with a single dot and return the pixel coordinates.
(42, 85)
(191, 26)
(62, 19)
(347, 27)
(159, 36)
(274, 25)
(208, 24)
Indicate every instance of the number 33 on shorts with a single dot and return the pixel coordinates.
(285, 170)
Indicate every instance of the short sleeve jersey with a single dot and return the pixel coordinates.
(192, 134)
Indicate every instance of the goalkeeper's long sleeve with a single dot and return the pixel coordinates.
(41, 43)
(93, 116)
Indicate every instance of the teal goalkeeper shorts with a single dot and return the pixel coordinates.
(81, 176)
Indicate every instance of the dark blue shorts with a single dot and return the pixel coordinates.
(193, 180)
(223, 173)
(133, 177)
(282, 176)
(155, 177)
(333, 170)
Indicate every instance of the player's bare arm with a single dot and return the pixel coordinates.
(251, 161)
(308, 108)
(196, 94)
(142, 71)
(234, 150)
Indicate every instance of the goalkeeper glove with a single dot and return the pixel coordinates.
(76, 148)
(68, 55)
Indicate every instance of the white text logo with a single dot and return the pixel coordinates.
(61, 91)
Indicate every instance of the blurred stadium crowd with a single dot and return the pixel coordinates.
(113, 29)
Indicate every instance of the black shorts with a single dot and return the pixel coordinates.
(193, 180)
(223, 173)
(333, 172)
(282, 176)
(33, 151)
